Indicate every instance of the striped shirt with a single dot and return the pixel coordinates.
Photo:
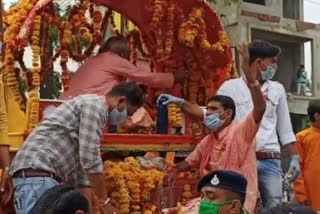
(67, 141)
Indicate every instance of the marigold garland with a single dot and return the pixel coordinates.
(134, 185)
(156, 25)
(33, 109)
(10, 76)
(175, 116)
(189, 30)
(14, 19)
(35, 38)
(170, 29)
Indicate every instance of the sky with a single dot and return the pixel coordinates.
(311, 11)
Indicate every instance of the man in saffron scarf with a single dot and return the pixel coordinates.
(229, 146)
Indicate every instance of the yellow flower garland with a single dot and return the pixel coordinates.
(13, 20)
(174, 116)
(36, 51)
(194, 29)
(33, 103)
(33, 109)
(129, 193)
(10, 76)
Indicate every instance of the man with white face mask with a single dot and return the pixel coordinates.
(66, 145)
(275, 126)
(229, 145)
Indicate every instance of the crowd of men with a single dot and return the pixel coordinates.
(239, 160)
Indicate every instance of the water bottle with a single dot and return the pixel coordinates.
(162, 117)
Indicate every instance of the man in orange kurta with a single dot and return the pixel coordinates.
(307, 187)
(230, 145)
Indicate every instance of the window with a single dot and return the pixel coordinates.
(291, 9)
(261, 2)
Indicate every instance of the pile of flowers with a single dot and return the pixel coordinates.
(133, 186)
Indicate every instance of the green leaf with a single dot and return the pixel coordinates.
(84, 43)
(22, 85)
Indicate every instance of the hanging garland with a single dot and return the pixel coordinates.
(175, 116)
(33, 103)
(156, 25)
(15, 20)
(35, 39)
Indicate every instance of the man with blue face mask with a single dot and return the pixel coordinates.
(66, 145)
(229, 145)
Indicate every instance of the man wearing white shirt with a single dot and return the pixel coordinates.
(275, 128)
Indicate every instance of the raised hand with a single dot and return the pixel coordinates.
(250, 70)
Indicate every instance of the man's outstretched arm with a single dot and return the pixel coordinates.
(192, 110)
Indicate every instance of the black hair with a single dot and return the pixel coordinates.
(226, 102)
(301, 66)
(61, 199)
(117, 44)
(131, 91)
(262, 49)
(288, 208)
(313, 108)
(236, 196)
